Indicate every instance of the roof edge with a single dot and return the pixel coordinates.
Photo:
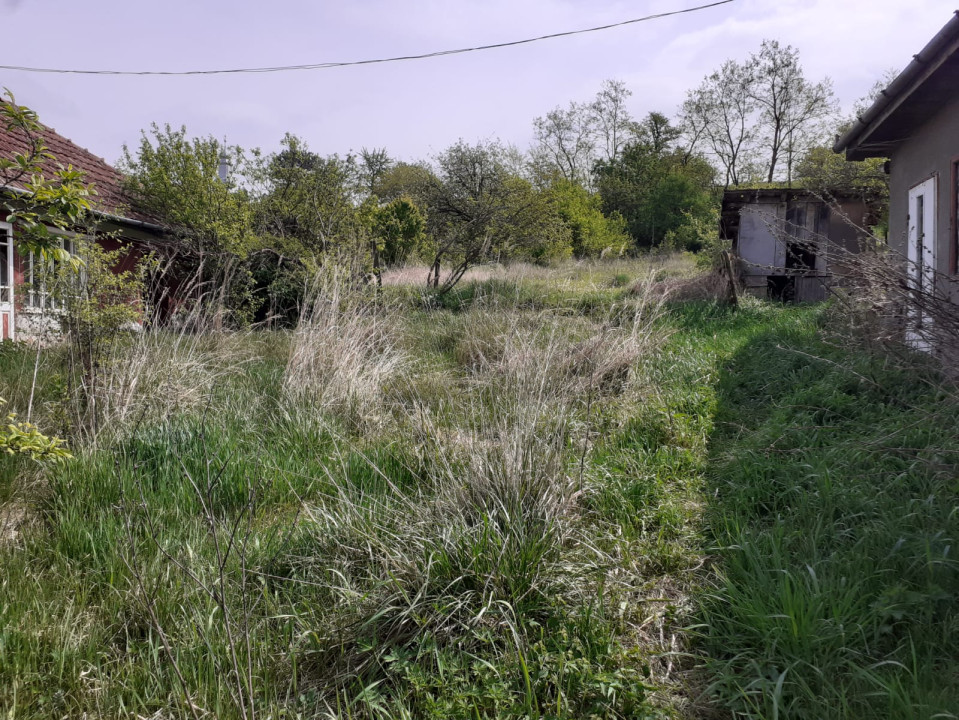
(112, 217)
(896, 91)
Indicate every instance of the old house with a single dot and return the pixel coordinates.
(24, 302)
(790, 243)
(915, 123)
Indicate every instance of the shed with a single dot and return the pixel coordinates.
(790, 243)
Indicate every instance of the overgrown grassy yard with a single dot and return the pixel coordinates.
(551, 496)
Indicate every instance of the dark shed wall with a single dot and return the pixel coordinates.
(930, 150)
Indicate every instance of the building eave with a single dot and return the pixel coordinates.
(855, 142)
(105, 215)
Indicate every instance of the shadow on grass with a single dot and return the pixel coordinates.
(834, 517)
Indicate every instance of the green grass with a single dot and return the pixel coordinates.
(833, 512)
(748, 522)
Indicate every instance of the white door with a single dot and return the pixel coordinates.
(6, 282)
(921, 256)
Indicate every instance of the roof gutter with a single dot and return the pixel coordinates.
(898, 88)
(108, 216)
(130, 221)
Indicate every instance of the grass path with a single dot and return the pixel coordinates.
(831, 507)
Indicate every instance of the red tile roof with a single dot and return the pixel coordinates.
(110, 197)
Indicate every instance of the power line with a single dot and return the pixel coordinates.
(351, 63)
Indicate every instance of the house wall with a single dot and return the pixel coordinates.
(929, 151)
(32, 323)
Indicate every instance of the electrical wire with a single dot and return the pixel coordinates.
(352, 63)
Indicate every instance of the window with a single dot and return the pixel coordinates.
(42, 279)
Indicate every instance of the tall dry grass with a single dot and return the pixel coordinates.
(343, 352)
(491, 535)
(149, 374)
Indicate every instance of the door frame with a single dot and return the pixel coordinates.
(7, 298)
(921, 239)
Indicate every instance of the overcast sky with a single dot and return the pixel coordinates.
(415, 109)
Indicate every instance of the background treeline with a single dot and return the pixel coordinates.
(595, 182)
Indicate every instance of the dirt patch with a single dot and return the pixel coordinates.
(14, 517)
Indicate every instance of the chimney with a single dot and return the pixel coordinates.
(223, 169)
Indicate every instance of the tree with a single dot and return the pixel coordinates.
(477, 209)
(569, 142)
(791, 109)
(305, 216)
(611, 121)
(719, 114)
(657, 132)
(401, 229)
(372, 166)
(757, 117)
(35, 192)
(411, 180)
(304, 202)
(656, 186)
(397, 231)
(592, 234)
(566, 142)
(176, 179)
(829, 173)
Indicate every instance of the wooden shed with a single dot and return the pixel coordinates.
(790, 243)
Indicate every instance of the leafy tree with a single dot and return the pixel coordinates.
(656, 186)
(570, 141)
(830, 173)
(757, 117)
(792, 110)
(566, 143)
(373, 164)
(612, 123)
(400, 230)
(50, 197)
(657, 132)
(478, 210)
(592, 234)
(304, 203)
(175, 178)
(306, 215)
(412, 180)
(718, 114)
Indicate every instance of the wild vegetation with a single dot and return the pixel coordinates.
(596, 182)
(552, 496)
(473, 438)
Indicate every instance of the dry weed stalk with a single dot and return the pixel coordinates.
(343, 350)
(153, 373)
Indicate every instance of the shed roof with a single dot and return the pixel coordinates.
(930, 80)
(110, 200)
(774, 194)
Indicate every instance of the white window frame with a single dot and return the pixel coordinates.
(37, 298)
